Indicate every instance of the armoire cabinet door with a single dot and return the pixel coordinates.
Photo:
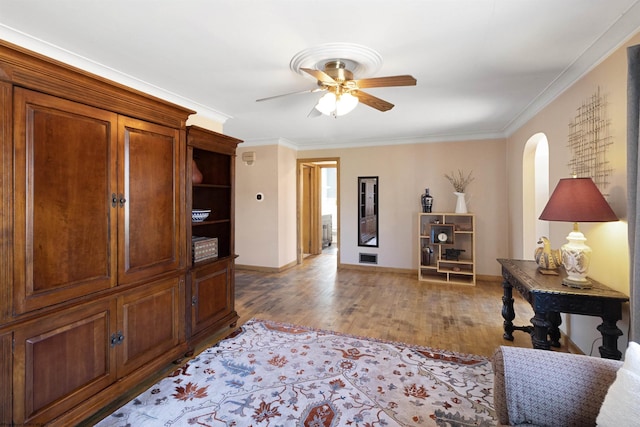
(65, 172)
(149, 235)
(61, 359)
(212, 295)
(150, 323)
(6, 367)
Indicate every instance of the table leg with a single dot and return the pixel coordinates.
(554, 329)
(540, 331)
(508, 314)
(610, 333)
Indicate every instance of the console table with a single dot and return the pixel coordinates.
(549, 297)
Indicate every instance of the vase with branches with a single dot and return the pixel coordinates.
(460, 183)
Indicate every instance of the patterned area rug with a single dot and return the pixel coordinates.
(274, 374)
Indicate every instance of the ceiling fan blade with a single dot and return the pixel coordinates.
(405, 80)
(317, 89)
(314, 113)
(372, 101)
(321, 76)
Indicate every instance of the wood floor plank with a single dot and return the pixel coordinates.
(389, 306)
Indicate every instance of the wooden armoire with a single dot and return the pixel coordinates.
(95, 251)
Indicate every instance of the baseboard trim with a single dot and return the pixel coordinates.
(370, 267)
(266, 269)
(488, 278)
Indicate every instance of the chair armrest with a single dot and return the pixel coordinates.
(542, 387)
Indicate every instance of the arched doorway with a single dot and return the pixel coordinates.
(535, 191)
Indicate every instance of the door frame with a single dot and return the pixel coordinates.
(308, 199)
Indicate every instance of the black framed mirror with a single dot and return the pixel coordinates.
(368, 211)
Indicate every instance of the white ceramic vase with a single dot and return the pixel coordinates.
(461, 203)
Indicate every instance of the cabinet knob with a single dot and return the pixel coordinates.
(114, 200)
(122, 200)
(116, 339)
(194, 301)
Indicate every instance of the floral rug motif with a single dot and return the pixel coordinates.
(274, 374)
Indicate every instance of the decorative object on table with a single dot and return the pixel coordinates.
(548, 259)
(577, 200)
(196, 175)
(453, 254)
(427, 201)
(276, 374)
(460, 183)
(199, 215)
(442, 234)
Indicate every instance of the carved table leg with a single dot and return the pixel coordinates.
(507, 310)
(540, 331)
(610, 333)
(554, 329)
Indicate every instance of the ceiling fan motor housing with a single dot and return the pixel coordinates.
(337, 70)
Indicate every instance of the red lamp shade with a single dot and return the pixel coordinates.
(577, 200)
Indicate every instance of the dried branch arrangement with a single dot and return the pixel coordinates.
(459, 181)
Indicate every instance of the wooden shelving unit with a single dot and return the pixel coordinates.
(446, 248)
(210, 290)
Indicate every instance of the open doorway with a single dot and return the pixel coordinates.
(318, 207)
(535, 191)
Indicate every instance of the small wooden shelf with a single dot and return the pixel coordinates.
(451, 260)
(210, 186)
(205, 222)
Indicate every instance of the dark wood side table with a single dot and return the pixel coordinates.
(549, 297)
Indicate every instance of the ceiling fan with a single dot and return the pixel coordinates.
(343, 92)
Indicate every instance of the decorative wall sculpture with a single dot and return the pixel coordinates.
(588, 141)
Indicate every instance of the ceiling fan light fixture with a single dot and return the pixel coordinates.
(332, 105)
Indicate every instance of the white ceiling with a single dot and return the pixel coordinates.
(483, 66)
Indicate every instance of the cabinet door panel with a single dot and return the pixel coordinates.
(64, 175)
(61, 359)
(212, 295)
(151, 323)
(6, 363)
(150, 232)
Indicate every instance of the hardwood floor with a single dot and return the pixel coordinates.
(389, 306)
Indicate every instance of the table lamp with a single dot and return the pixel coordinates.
(577, 200)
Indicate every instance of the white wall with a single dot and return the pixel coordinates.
(287, 200)
(266, 229)
(257, 221)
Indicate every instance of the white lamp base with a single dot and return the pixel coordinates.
(576, 257)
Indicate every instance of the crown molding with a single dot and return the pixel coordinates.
(42, 47)
(620, 31)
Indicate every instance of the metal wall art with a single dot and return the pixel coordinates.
(588, 141)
